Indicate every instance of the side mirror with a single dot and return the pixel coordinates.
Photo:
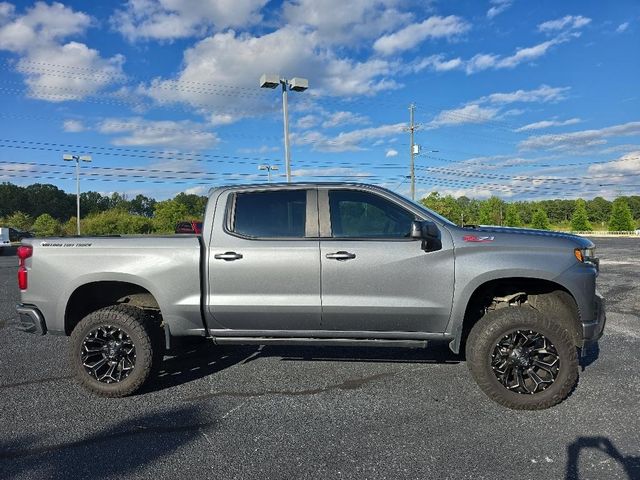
(428, 232)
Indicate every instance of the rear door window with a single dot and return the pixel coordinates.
(271, 214)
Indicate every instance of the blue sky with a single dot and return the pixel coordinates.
(519, 99)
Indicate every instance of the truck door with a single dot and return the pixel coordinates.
(264, 261)
(374, 277)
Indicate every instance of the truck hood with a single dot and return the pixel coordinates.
(580, 242)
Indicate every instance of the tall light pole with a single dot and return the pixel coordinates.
(269, 169)
(77, 158)
(296, 84)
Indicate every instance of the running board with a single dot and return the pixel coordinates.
(343, 342)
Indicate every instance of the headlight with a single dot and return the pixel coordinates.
(586, 255)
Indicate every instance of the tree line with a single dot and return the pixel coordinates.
(621, 214)
(47, 210)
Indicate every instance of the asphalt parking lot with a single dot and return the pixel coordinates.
(276, 412)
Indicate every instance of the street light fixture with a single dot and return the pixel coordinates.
(296, 84)
(77, 158)
(269, 169)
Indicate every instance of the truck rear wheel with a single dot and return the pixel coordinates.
(115, 350)
(521, 359)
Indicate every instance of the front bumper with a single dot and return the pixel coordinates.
(591, 332)
(30, 319)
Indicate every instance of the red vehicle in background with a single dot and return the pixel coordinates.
(192, 226)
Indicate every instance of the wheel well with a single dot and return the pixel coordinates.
(94, 296)
(543, 295)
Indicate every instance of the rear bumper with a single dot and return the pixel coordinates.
(592, 331)
(30, 319)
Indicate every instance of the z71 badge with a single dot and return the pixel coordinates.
(477, 239)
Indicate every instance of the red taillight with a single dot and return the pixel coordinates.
(24, 252)
(22, 277)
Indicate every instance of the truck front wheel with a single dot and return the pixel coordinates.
(114, 350)
(521, 359)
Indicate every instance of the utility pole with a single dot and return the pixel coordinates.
(77, 158)
(412, 168)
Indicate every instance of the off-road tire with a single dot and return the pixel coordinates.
(143, 331)
(488, 331)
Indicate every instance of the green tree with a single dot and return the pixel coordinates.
(446, 206)
(93, 202)
(599, 210)
(580, 219)
(142, 205)
(540, 219)
(167, 214)
(119, 201)
(12, 198)
(621, 218)
(46, 226)
(512, 216)
(41, 198)
(70, 227)
(492, 211)
(115, 222)
(19, 220)
(195, 203)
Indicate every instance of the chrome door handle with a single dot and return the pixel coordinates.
(341, 255)
(228, 256)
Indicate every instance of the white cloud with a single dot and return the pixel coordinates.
(489, 107)
(340, 22)
(221, 119)
(497, 7)
(238, 60)
(139, 132)
(37, 37)
(391, 153)
(629, 163)
(329, 172)
(67, 81)
(543, 94)
(471, 113)
(568, 22)
(261, 149)
(347, 141)
(481, 61)
(529, 53)
(564, 30)
(40, 26)
(307, 121)
(73, 126)
(622, 27)
(336, 119)
(581, 139)
(437, 63)
(485, 61)
(173, 19)
(547, 123)
(199, 190)
(414, 34)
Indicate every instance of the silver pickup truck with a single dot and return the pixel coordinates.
(321, 264)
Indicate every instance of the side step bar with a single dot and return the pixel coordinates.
(346, 342)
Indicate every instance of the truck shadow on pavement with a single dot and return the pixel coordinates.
(118, 451)
(630, 465)
(198, 360)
